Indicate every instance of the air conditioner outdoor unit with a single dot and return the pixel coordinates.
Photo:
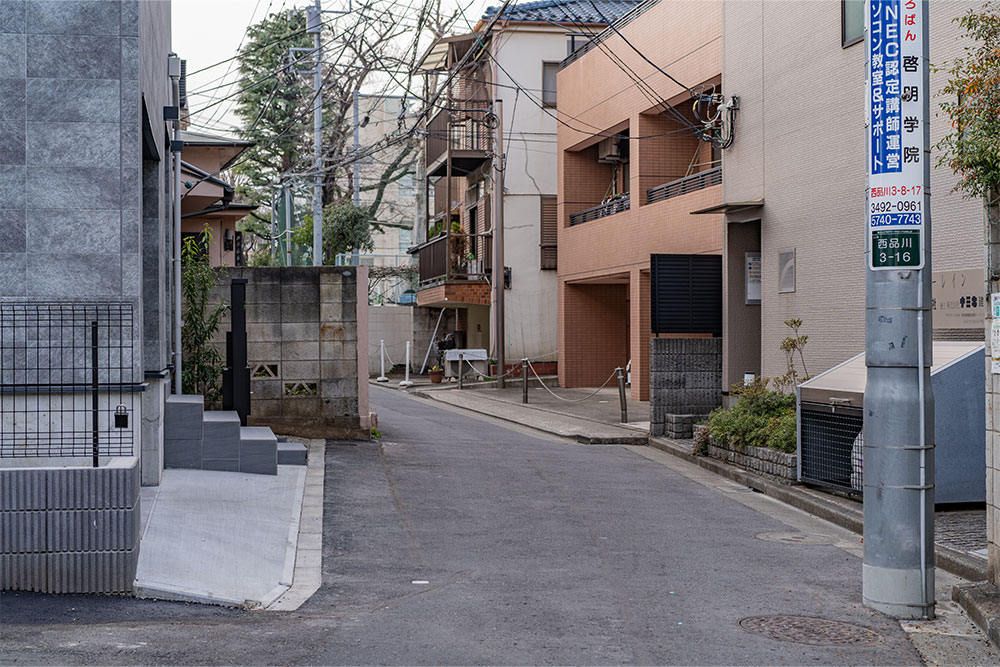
(609, 151)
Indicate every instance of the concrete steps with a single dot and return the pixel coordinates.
(215, 440)
(291, 453)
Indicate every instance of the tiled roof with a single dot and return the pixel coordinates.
(566, 11)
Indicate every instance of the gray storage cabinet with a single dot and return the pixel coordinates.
(830, 421)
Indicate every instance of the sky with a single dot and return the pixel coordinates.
(205, 32)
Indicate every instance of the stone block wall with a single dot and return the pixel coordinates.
(770, 463)
(70, 529)
(309, 375)
(685, 383)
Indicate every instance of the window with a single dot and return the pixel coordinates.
(852, 21)
(786, 271)
(549, 83)
(549, 232)
(405, 239)
(406, 186)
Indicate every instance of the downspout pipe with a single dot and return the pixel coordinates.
(174, 71)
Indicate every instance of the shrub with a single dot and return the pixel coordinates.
(761, 418)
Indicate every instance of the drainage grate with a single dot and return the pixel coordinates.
(809, 630)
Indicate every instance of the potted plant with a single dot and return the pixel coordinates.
(436, 373)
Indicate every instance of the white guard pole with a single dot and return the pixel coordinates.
(406, 378)
(381, 350)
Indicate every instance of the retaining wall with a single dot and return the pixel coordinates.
(770, 463)
(70, 529)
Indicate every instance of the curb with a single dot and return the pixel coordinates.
(639, 440)
(981, 601)
(953, 561)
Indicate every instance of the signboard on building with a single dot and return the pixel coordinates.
(896, 146)
(753, 278)
(959, 299)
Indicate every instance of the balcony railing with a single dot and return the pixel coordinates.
(469, 258)
(464, 125)
(682, 186)
(617, 205)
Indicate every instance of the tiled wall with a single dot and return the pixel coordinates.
(604, 263)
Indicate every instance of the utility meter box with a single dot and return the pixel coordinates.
(831, 418)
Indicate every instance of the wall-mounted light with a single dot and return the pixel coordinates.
(227, 240)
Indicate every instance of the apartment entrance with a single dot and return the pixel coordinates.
(741, 299)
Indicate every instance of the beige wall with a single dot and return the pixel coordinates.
(800, 147)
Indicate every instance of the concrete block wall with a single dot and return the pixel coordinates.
(685, 383)
(70, 529)
(304, 325)
(394, 325)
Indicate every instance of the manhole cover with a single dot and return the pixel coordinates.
(809, 630)
(795, 538)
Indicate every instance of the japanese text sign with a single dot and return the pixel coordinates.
(896, 145)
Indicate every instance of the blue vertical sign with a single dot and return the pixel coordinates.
(896, 147)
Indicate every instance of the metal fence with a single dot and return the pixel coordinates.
(831, 447)
(617, 205)
(682, 186)
(67, 380)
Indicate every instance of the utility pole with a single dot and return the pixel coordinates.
(176, 146)
(498, 268)
(313, 25)
(357, 147)
(898, 570)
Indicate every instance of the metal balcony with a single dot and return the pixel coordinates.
(617, 205)
(682, 186)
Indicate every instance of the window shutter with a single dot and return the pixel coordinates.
(549, 232)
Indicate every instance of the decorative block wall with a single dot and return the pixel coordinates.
(303, 328)
(685, 383)
(71, 529)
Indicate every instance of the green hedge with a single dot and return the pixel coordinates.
(761, 418)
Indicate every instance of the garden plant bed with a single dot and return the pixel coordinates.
(770, 463)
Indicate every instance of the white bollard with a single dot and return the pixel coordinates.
(381, 351)
(406, 378)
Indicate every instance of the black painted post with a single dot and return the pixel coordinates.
(461, 368)
(236, 378)
(93, 393)
(524, 381)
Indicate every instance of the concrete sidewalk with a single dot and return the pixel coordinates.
(579, 414)
(232, 538)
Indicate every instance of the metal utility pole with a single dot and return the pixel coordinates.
(313, 25)
(176, 146)
(498, 268)
(289, 202)
(898, 571)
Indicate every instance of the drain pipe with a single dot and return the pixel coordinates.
(174, 71)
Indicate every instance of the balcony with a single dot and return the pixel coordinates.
(617, 205)
(465, 128)
(682, 186)
(470, 258)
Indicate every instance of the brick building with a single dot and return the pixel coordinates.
(631, 171)
(517, 64)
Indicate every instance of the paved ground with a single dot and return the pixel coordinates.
(459, 540)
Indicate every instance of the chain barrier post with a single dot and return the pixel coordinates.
(381, 352)
(524, 380)
(406, 376)
(461, 369)
(621, 394)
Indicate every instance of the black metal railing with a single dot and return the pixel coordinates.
(682, 186)
(67, 380)
(616, 205)
(470, 258)
(464, 125)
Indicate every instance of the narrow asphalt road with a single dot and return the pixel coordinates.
(458, 540)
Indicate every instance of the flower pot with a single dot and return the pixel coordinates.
(436, 376)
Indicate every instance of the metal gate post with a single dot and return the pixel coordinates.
(524, 380)
(95, 416)
(621, 395)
